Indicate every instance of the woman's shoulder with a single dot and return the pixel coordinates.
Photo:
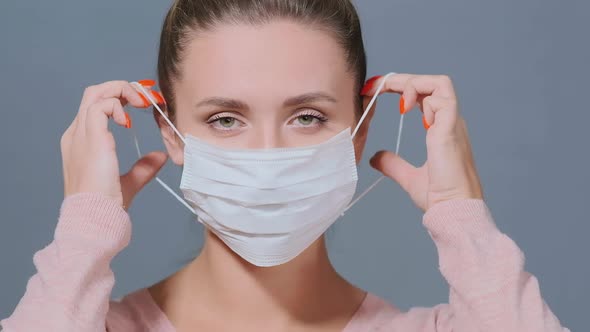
(137, 312)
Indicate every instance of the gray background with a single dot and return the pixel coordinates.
(521, 72)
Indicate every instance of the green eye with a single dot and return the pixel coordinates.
(227, 122)
(306, 120)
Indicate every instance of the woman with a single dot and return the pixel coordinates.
(240, 79)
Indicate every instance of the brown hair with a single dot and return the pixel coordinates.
(185, 17)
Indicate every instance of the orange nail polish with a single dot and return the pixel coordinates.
(147, 83)
(369, 85)
(426, 125)
(402, 105)
(158, 97)
(127, 121)
(146, 102)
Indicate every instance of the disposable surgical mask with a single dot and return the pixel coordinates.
(269, 205)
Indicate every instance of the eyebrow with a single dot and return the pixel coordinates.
(223, 103)
(309, 98)
(306, 98)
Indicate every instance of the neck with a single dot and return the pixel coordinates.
(306, 289)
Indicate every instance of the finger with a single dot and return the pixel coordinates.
(142, 172)
(413, 88)
(99, 114)
(121, 90)
(440, 85)
(411, 97)
(420, 87)
(394, 167)
(441, 112)
(147, 94)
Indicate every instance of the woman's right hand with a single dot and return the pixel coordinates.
(90, 163)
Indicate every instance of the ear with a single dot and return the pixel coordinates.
(173, 144)
(361, 136)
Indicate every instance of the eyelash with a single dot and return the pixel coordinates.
(220, 116)
(321, 118)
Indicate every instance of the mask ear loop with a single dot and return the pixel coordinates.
(143, 91)
(397, 144)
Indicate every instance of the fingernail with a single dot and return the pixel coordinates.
(369, 85)
(127, 121)
(146, 102)
(147, 83)
(158, 97)
(425, 123)
(402, 105)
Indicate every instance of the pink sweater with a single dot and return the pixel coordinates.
(489, 289)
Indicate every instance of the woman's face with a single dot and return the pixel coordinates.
(256, 87)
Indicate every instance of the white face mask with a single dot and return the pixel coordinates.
(269, 205)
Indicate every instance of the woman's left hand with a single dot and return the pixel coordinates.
(449, 171)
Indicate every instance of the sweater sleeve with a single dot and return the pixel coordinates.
(73, 283)
(489, 289)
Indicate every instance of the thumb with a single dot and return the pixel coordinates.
(394, 167)
(142, 172)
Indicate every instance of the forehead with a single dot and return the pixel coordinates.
(277, 56)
